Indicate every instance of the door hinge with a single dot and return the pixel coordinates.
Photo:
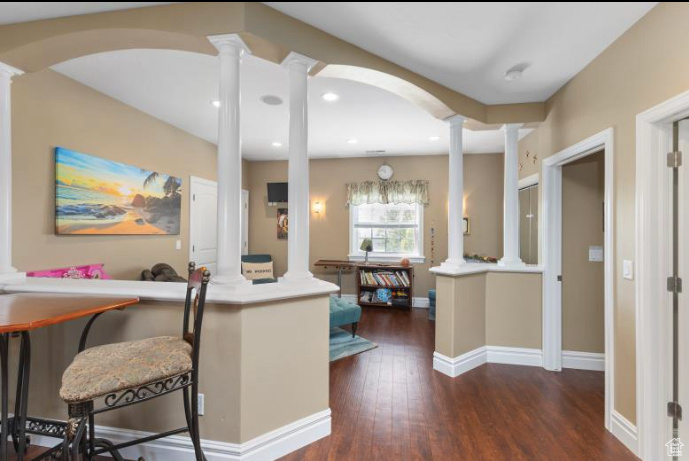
(674, 409)
(193, 197)
(193, 248)
(559, 278)
(674, 284)
(674, 159)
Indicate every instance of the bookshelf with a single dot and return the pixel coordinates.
(396, 281)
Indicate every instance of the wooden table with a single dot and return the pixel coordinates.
(339, 265)
(20, 314)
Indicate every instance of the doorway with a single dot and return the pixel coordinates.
(203, 208)
(552, 184)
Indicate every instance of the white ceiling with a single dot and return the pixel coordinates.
(468, 46)
(178, 87)
(13, 12)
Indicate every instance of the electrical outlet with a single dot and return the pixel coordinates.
(201, 404)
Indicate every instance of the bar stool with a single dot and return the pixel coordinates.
(124, 374)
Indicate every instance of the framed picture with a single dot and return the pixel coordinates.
(467, 229)
(96, 196)
(283, 224)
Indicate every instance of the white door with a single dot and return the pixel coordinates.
(203, 247)
(203, 216)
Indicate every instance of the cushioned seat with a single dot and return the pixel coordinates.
(102, 370)
(344, 313)
(257, 259)
(431, 302)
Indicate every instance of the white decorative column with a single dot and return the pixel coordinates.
(298, 67)
(6, 269)
(455, 231)
(231, 48)
(511, 198)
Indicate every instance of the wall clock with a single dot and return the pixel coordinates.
(385, 172)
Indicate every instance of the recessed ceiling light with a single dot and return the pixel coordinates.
(352, 141)
(216, 103)
(277, 144)
(330, 96)
(271, 99)
(434, 138)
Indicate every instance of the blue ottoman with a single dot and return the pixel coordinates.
(431, 302)
(344, 313)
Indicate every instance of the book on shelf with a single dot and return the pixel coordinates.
(385, 278)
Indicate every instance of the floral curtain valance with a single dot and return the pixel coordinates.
(385, 192)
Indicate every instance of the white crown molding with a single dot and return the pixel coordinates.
(297, 58)
(234, 41)
(12, 71)
(272, 445)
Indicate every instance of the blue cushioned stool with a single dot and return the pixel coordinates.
(344, 313)
(431, 302)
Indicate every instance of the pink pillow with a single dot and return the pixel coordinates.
(90, 271)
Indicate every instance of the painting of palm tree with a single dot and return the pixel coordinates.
(99, 196)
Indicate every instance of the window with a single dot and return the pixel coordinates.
(396, 231)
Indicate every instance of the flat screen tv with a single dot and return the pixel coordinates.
(277, 192)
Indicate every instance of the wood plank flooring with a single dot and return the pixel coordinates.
(389, 404)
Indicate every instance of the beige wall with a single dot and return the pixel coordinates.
(330, 230)
(460, 322)
(51, 110)
(644, 67)
(583, 300)
(514, 311)
(242, 400)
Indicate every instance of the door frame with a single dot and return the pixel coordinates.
(552, 255)
(653, 142)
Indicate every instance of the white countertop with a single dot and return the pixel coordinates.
(161, 291)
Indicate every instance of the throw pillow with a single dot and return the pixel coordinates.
(254, 271)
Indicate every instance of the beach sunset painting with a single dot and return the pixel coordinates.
(101, 197)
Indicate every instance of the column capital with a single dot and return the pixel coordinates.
(300, 60)
(229, 43)
(512, 127)
(9, 70)
(456, 119)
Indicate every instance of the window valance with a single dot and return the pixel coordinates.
(385, 192)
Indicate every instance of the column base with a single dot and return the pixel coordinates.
(11, 275)
(511, 262)
(453, 264)
(230, 281)
(297, 277)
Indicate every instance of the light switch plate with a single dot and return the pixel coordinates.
(595, 253)
(178, 245)
(628, 269)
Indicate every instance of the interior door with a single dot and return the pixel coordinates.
(203, 214)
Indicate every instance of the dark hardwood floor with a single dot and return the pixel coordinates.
(389, 404)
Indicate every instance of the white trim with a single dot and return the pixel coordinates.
(528, 181)
(11, 71)
(456, 366)
(271, 445)
(593, 361)
(552, 255)
(479, 268)
(653, 141)
(515, 356)
(625, 432)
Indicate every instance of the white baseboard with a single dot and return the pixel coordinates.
(515, 356)
(421, 303)
(583, 360)
(269, 446)
(454, 367)
(624, 431)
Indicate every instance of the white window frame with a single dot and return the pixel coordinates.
(355, 253)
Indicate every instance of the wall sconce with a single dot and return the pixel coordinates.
(317, 207)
